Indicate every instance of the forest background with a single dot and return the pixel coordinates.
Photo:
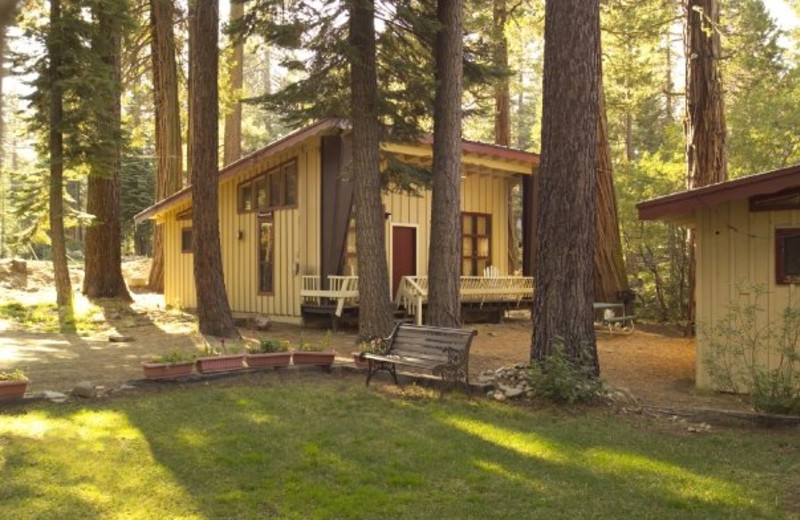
(643, 75)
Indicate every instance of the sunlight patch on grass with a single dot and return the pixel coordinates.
(512, 476)
(669, 477)
(528, 444)
(88, 464)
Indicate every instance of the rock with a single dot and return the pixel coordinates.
(485, 379)
(520, 366)
(120, 339)
(127, 387)
(513, 392)
(84, 389)
(56, 397)
(262, 322)
(499, 396)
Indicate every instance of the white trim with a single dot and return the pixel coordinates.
(393, 225)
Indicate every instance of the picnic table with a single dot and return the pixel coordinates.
(614, 316)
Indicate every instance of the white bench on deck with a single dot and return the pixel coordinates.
(342, 290)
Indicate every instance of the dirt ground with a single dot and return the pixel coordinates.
(654, 364)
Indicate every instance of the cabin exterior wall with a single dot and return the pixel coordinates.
(735, 254)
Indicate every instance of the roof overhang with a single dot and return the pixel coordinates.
(476, 157)
(680, 206)
(236, 167)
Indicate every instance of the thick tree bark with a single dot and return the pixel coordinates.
(169, 154)
(444, 265)
(609, 265)
(704, 125)
(566, 211)
(213, 310)
(375, 314)
(103, 265)
(233, 121)
(66, 315)
(502, 96)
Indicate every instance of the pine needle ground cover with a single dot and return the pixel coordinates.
(319, 446)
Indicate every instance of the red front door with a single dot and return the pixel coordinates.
(404, 254)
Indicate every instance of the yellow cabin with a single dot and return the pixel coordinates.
(747, 251)
(288, 240)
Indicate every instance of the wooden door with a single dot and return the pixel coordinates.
(404, 254)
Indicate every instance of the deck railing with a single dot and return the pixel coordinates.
(412, 292)
(343, 290)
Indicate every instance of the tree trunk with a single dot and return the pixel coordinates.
(233, 121)
(566, 211)
(103, 265)
(213, 310)
(66, 315)
(374, 311)
(706, 161)
(609, 265)
(502, 96)
(444, 265)
(169, 152)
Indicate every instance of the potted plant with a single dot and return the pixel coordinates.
(374, 345)
(13, 384)
(318, 354)
(169, 366)
(269, 353)
(222, 359)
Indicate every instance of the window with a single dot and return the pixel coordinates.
(261, 193)
(476, 236)
(787, 256)
(266, 254)
(786, 199)
(186, 240)
(289, 174)
(245, 198)
(274, 189)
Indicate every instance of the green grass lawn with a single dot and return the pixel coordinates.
(323, 446)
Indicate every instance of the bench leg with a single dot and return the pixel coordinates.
(374, 366)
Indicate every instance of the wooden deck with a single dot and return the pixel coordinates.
(480, 295)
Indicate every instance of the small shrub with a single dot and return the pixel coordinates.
(375, 345)
(173, 357)
(738, 347)
(565, 380)
(13, 375)
(268, 346)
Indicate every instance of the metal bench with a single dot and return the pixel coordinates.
(443, 351)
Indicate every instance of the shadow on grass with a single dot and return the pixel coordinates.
(317, 446)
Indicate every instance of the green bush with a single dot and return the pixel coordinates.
(173, 357)
(738, 347)
(268, 346)
(13, 375)
(565, 380)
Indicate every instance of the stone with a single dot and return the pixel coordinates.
(513, 392)
(127, 387)
(262, 322)
(499, 396)
(120, 339)
(84, 389)
(56, 397)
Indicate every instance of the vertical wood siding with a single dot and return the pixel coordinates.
(735, 252)
(297, 235)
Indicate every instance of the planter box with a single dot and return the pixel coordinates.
(360, 363)
(167, 370)
(13, 389)
(272, 359)
(320, 359)
(210, 365)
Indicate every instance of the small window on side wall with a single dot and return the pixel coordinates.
(266, 255)
(186, 240)
(289, 175)
(245, 197)
(787, 256)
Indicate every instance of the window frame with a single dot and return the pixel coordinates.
(754, 201)
(267, 216)
(473, 257)
(187, 231)
(781, 278)
(278, 175)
